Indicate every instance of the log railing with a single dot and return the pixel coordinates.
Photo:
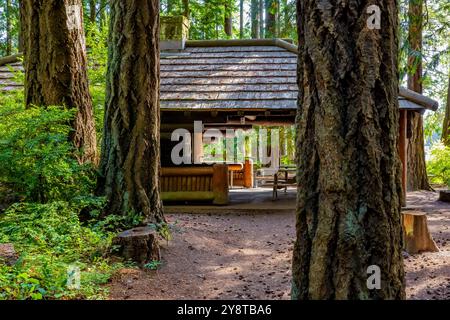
(195, 184)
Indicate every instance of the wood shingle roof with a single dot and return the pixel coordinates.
(235, 75)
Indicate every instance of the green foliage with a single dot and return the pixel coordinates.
(38, 159)
(438, 166)
(51, 239)
(153, 265)
(10, 14)
(97, 44)
(163, 229)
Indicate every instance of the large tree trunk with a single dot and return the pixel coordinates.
(254, 10)
(130, 163)
(446, 124)
(348, 214)
(417, 171)
(56, 63)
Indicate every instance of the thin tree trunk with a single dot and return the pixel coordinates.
(348, 211)
(170, 5)
(228, 21)
(446, 124)
(56, 63)
(255, 18)
(262, 18)
(271, 18)
(130, 163)
(8, 28)
(93, 11)
(417, 171)
(186, 9)
(103, 11)
(241, 19)
(286, 20)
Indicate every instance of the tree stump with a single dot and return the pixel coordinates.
(444, 195)
(139, 245)
(416, 234)
(8, 255)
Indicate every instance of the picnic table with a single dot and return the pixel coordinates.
(286, 180)
(280, 178)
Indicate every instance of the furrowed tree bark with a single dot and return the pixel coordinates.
(348, 213)
(55, 66)
(130, 163)
(446, 125)
(417, 171)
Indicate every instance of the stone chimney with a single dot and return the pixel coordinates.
(174, 33)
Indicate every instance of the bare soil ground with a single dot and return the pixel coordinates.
(249, 257)
(428, 274)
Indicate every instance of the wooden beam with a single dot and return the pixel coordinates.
(10, 59)
(403, 151)
(188, 171)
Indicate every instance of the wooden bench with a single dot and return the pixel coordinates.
(208, 183)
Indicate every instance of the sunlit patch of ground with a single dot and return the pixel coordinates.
(428, 274)
(249, 257)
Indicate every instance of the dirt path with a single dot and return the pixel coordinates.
(249, 257)
(428, 274)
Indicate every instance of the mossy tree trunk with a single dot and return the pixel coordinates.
(130, 163)
(348, 213)
(55, 65)
(417, 171)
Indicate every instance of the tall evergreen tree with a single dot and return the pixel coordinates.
(130, 163)
(417, 171)
(55, 65)
(349, 210)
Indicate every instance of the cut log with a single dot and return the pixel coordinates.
(444, 195)
(139, 245)
(416, 234)
(8, 255)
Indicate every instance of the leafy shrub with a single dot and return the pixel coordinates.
(38, 161)
(97, 42)
(51, 240)
(439, 164)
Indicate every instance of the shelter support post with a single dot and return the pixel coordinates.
(403, 151)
